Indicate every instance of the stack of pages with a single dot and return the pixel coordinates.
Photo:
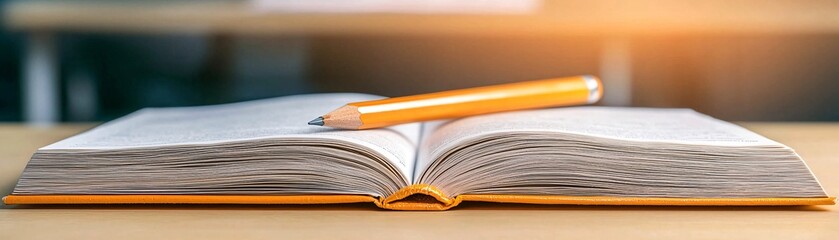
(262, 152)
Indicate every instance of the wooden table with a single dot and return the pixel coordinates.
(818, 143)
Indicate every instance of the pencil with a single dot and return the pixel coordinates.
(464, 102)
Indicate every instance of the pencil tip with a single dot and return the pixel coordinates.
(317, 121)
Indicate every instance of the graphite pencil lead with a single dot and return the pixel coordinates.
(317, 121)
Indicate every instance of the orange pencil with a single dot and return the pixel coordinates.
(464, 102)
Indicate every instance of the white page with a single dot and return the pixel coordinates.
(276, 118)
(679, 126)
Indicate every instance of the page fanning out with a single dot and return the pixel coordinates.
(283, 117)
(680, 126)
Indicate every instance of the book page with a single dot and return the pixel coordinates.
(678, 126)
(276, 118)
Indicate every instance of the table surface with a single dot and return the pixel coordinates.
(817, 143)
(552, 17)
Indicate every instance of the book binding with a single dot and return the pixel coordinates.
(415, 197)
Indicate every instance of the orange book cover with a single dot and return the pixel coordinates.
(415, 197)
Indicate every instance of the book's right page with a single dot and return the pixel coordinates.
(609, 151)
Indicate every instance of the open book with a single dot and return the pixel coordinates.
(263, 152)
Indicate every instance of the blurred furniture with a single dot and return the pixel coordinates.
(816, 143)
(613, 20)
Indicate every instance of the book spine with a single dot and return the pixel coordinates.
(419, 197)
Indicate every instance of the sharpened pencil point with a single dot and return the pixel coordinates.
(317, 121)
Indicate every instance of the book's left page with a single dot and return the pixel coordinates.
(255, 147)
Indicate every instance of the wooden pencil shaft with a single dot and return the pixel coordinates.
(466, 102)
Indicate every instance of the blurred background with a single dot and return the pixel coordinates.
(739, 60)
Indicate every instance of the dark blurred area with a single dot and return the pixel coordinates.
(752, 75)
